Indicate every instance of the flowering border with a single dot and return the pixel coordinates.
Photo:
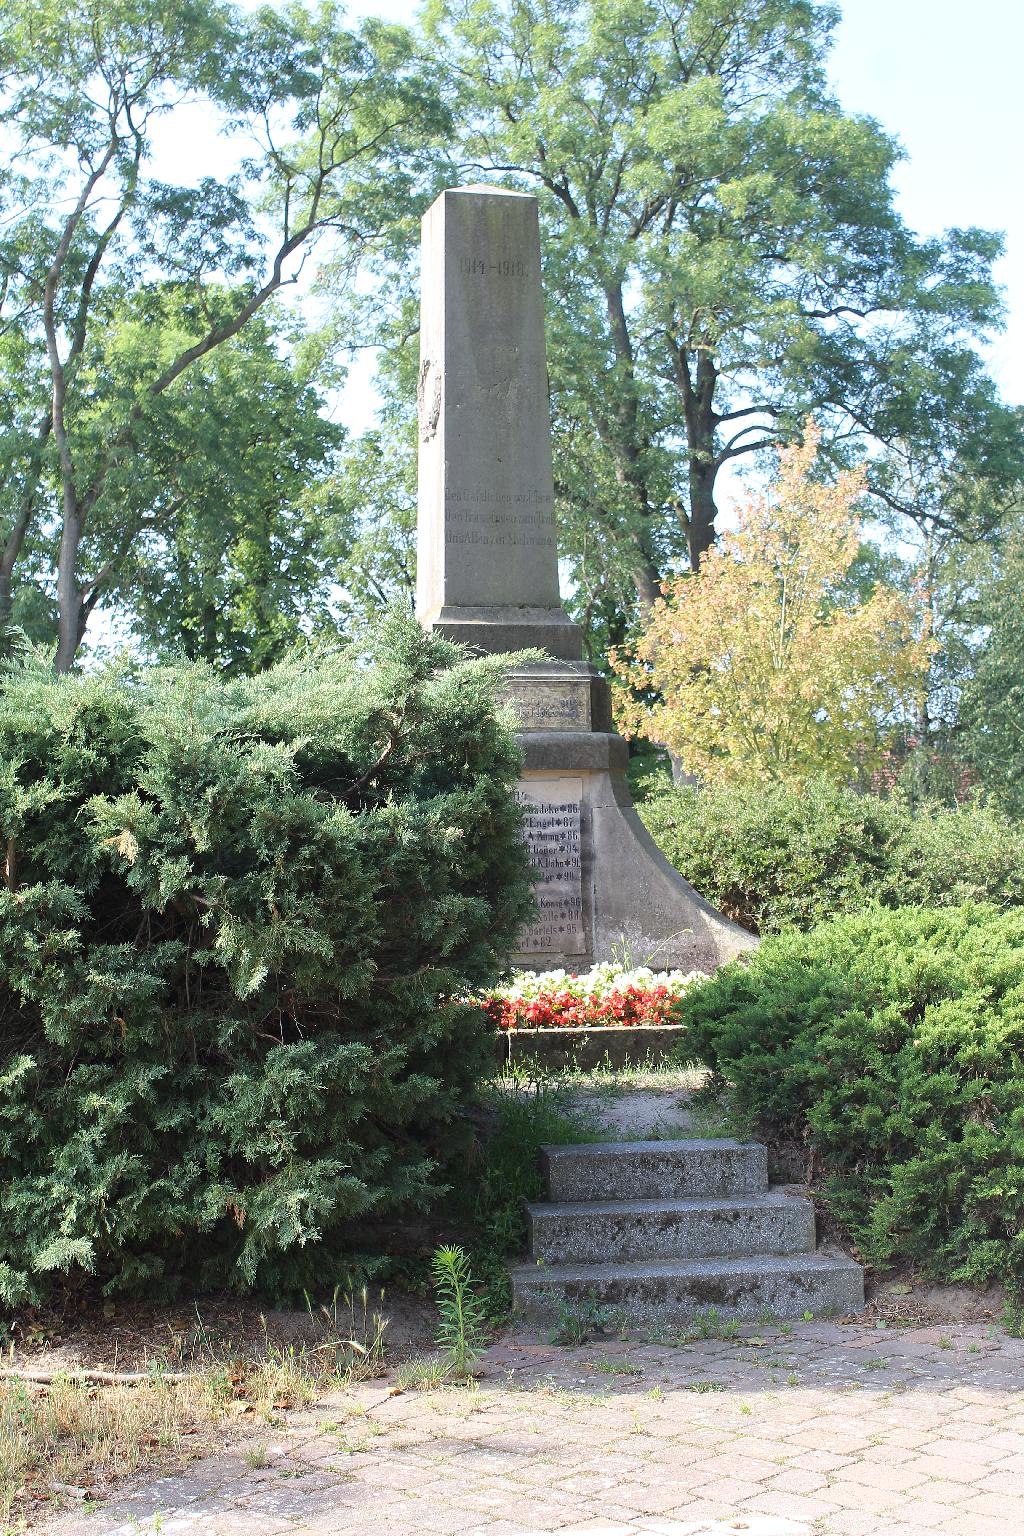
(608, 996)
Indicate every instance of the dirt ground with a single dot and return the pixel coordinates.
(131, 1336)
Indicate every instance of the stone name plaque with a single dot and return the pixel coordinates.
(552, 825)
(550, 704)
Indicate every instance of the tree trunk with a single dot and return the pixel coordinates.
(69, 598)
(703, 510)
(623, 433)
(680, 778)
(26, 510)
(924, 723)
(698, 395)
(646, 578)
(69, 602)
(9, 559)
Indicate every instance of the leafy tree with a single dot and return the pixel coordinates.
(335, 117)
(992, 711)
(949, 505)
(217, 543)
(374, 492)
(723, 256)
(759, 665)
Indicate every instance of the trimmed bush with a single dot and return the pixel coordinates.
(236, 924)
(893, 1043)
(774, 858)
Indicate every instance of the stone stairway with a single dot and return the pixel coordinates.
(667, 1229)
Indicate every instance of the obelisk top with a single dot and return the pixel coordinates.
(487, 189)
(488, 559)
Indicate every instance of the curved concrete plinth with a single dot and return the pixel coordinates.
(637, 909)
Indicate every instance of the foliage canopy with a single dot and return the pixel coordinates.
(760, 666)
(323, 126)
(723, 256)
(993, 702)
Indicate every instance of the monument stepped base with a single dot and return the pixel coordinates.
(744, 1289)
(660, 1231)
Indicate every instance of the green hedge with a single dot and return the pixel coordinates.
(235, 923)
(893, 1042)
(774, 858)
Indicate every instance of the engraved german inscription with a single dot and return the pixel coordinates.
(550, 704)
(498, 519)
(552, 826)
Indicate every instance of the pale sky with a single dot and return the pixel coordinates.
(944, 77)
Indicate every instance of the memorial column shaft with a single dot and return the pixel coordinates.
(488, 557)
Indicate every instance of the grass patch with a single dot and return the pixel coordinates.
(714, 1116)
(617, 1368)
(424, 1373)
(611, 1083)
(69, 1439)
(521, 1111)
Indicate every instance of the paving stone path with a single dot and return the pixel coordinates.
(831, 1430)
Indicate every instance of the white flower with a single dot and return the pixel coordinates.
(599, 982)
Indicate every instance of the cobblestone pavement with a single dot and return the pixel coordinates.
(831, 1430)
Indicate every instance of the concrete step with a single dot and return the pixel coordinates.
(601, 1231)
(674, 1291)
(655, 1170)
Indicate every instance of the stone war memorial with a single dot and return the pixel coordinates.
(488, 576)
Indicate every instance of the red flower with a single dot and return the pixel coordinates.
(560, 1009)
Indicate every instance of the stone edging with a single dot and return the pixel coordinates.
(614, 1045)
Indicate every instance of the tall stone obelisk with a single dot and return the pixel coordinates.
(487, 569)
(488, 576)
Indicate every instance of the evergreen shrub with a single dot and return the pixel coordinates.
(772, 857)
(237, 920)
(893, 1044)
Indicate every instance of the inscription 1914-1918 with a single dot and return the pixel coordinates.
(552, 825)
(502, 266)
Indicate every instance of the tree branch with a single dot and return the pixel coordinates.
(735, 453)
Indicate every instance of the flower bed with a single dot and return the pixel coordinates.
(608, 996)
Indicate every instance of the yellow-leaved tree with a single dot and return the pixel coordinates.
(761, 666)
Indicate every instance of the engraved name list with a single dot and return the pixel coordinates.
(552, 825)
